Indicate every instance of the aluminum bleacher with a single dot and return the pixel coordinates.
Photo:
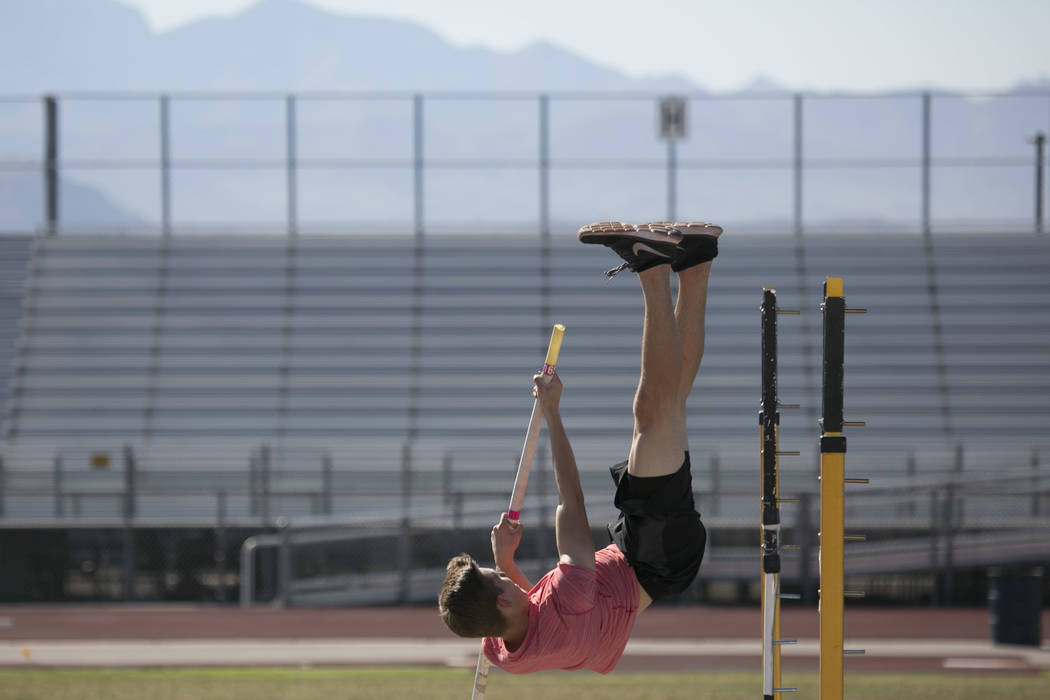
(343, 346)
(14, 259)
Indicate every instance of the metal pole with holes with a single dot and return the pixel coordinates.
(769, 452)
(832, 494)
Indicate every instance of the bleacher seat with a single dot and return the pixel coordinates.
(333, 343)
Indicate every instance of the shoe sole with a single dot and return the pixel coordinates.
(606, 227)
(688, 228)
(605, 231)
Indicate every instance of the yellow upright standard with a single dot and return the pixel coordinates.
(832, 496)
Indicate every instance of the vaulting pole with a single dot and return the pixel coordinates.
(521, 480)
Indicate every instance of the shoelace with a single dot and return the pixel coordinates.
(609, 274)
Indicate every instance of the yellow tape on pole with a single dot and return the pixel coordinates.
(553, 348)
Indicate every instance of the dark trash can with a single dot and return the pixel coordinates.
(1015, 599)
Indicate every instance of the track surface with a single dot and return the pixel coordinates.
(665, 638)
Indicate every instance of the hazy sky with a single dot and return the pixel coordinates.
(723, 45)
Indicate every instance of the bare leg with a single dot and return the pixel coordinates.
(659, 422)
(689, 313)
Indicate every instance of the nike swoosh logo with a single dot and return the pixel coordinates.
(641, 247)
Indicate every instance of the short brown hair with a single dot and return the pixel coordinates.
(468, 601)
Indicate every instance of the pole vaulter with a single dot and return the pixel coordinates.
(580, 614)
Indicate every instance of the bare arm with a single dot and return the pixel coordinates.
(505, 537)
(573, 531)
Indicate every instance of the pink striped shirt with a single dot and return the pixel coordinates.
(578, 618)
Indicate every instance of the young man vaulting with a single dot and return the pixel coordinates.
(580, 614)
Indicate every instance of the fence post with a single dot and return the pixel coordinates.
(417, 161)
(1035, 484)
(253, 484)
(446, 477)
(545, 161)
(59, 504)
(130, 480)
(798, 164)
(947, 523)
(1040, 141)
(457, 510)
(545, 227)
(264, 482)
(51, 183)
(913, 469)
(935, 534)
(925, 163)
(220, 547)
(417, 267)
(405, 548)
(247, 573)
(284, 563)
(326, 483)
(129, 528)
(165, 167)
(291, 172)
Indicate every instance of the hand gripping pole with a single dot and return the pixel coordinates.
(521, 480)
(528, 450)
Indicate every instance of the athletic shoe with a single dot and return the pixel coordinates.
(641, 248)
(699, 241)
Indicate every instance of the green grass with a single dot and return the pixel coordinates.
(441, 684)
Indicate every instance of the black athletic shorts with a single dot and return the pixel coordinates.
(659, 530)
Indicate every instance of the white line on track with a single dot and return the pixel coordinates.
(356, 652)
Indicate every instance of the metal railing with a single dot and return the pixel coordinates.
(922, 516)
(940, 542)
(312, 487)
(537, 137)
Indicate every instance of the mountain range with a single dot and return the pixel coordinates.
(356, 154)
(64, 45)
